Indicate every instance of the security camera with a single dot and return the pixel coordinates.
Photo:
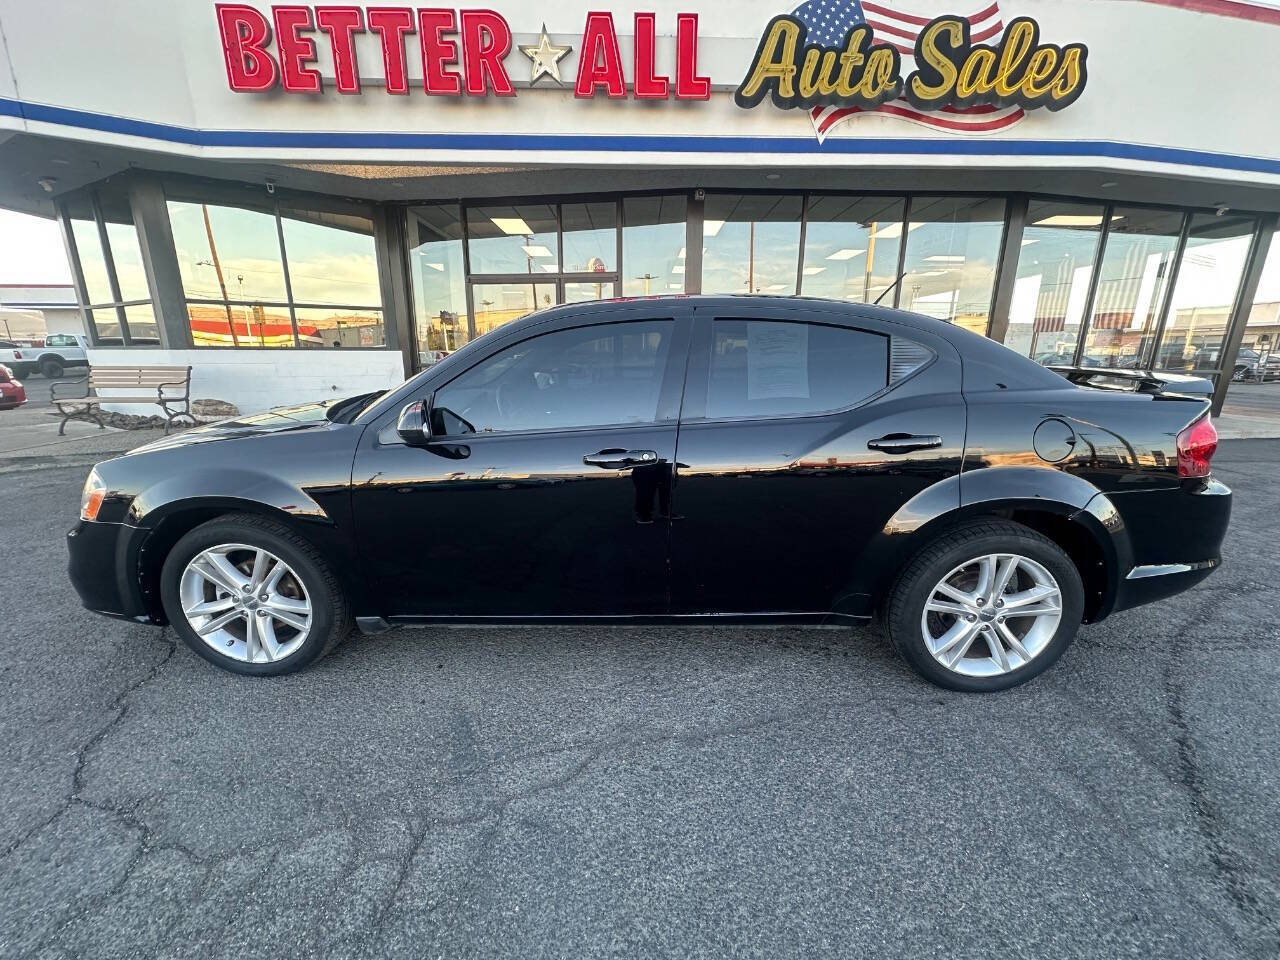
(271, 185)
(1220, 209)
(699, 194)
(47, 183)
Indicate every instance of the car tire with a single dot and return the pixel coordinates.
(51, 369)
(982, 621)
(309, 580)
(19, 371)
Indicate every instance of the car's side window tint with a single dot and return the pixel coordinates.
(766, 368)
(588, 376)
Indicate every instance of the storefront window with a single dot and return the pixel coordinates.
(950, 266)
(513, 239)
(751, 243)
(1055, 266)
(1205, 292)
(240, 263)
(227, 253)
(119, 315)
(653, 253)
(332, 259)
(500, 303)
(1131, 287)
(1259, 356)
(590, 237)
(439, 281)
(851, 247)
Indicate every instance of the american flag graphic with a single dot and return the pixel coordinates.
(897, 22)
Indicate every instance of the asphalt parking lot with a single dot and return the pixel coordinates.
(666, 793)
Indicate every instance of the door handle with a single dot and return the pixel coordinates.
(615, 458)
(903, 443)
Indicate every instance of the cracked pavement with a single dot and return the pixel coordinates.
(648, 792)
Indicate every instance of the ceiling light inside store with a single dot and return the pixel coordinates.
(810, 271)
(848, 253)
(776, 286)
(944, 258)
(1070, 220)
(436, 266)
(550, 267)
(895, 230)
(680, 255)
(675, 286)
(930, 273)
(711, 227)
(537, 250)
(512, 226)
(1028, 241)
(678, 268)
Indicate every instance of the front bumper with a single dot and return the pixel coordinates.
(104, 568)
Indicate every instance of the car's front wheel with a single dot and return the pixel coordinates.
(249, 595)
(986, 606)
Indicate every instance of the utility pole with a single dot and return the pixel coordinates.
(217, 269)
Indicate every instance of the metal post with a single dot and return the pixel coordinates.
(160, 263)
(1261, 247)
(77, 274)
(804, 223)
(288, 284)
(693, 244)
(398, 316)
(902, 252)
(1007, 268)
(110, 263)
(1086, 316)
(1166, 301)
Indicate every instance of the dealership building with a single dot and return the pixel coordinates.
(314, 200)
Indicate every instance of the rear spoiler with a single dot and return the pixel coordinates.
(1137, 381)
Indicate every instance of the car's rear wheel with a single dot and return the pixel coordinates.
(52, 369)
(986, 606)
(249, 595)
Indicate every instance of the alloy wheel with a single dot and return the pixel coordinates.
(991, 615)
(245, 602)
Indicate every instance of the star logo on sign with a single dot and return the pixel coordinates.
(544, 57)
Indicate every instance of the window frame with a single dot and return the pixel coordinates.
(698, 377)
(670, 388)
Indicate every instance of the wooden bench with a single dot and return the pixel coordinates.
(159, 385)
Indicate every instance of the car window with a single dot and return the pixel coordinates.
(588, 376)
(59, 340)
(765, 368)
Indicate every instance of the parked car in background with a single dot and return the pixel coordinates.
(60, 352)
(1247, 365)
(678, 460)
(12, 392)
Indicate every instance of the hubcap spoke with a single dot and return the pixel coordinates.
(238, 613)
(972, 602)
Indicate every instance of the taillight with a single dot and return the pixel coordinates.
(17, 355)
(1196, 447)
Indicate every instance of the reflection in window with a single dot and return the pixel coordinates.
(950, 265)
(513, 239)
(590, 237)
(143, 329)
(1205, 292)
(851, 247)
(234, 261)
(585, 291)
(332, 259)
(653, 232)
(126, 253)
(227, 253)
(765, 369)
(1259, 356)
(588, 376)
(751, 244)
(93, 264)
(439, 281)
(337, 327)
(1055, 266)
(500, 303)
(1131, 286)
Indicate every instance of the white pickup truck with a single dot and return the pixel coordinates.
(60, 351)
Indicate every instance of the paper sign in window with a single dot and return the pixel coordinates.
(777, 360)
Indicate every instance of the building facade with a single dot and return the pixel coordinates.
(315, 200)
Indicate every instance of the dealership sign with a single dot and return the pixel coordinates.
(833, 58)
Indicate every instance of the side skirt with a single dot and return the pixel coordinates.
(373, 625)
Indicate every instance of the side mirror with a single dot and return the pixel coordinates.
(413, 427)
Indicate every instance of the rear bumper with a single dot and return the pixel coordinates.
(104, 569)
(1176, 538)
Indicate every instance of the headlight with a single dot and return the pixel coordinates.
(91, 496)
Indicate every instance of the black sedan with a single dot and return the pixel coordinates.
(722, 460)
